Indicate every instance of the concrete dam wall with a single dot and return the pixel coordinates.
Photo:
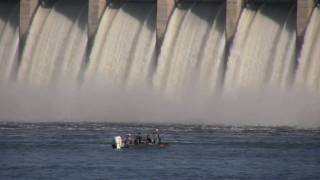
(211, 46)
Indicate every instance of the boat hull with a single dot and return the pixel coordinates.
(144, 146)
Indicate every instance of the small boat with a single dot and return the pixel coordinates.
(142, 146)
(119, 144)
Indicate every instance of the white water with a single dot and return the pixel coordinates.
(191, 57)
(9, 39)
(56, 45)
(308, 74)
(124, 47)
(193, 49)
(263, 51)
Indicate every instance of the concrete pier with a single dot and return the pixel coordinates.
(96, 9)
(304, 11)
(233, 12)
(27, 10)
(164, 10)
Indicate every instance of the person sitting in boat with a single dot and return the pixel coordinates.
(156, 137)
(138, 138)
(128, 139)
(149, 141)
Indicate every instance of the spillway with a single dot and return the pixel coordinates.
(9, 39)
(308, 74)
(56, 45)
(192, 53)
(263, 50)
(165, 61)
(123, 53)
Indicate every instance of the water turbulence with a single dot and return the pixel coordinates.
(123, 53)
(56, 44)
(263, 51)
(309, 65)
(9, 38)
(193, 49)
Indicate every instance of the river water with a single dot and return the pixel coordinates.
(83, 151)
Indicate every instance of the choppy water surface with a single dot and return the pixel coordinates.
(83, 151)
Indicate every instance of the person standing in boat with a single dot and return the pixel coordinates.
(156, 137)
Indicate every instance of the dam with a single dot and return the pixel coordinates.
(213, 46)
(229, 62)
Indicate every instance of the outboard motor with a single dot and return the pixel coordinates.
(118, 141)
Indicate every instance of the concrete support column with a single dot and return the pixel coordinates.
(96, 9)
(233, 12)
(234, 9)
(164, 10)
(304, 11)
(27, 10)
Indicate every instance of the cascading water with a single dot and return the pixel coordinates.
(263, 51)
(309, 62)
(56, 44)
(124, 48)
(192, 58)
(9, 39)
(193, 49)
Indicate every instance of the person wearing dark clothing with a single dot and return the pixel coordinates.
(138, 139)
(128, 139)
(149, 141)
